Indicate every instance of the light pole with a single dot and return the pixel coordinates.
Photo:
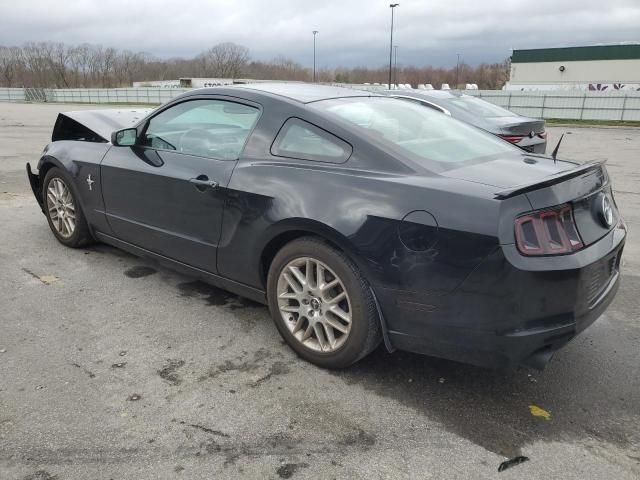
(395, 64)
(457, 70)
(315, 32)
(392, 5)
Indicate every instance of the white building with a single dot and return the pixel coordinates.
(596, 68)
(188, 82)
(158, 84)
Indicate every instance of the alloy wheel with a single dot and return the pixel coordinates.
(61, 208)
(314, 304)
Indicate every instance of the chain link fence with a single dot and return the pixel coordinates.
(564, 105)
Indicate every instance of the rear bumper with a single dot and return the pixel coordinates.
(503, 316)
(531, 347)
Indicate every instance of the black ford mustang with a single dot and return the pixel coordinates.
(357, 218)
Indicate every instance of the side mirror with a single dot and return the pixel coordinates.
(125, 137)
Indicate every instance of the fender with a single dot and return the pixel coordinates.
(44, 164)
(276, 235)
(80, 161)
(282, 232)
(69, 166)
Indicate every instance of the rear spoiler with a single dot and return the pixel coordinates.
(550, 180)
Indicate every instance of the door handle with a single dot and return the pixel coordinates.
(203, 181)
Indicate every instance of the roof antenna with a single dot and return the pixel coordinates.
(554, 154)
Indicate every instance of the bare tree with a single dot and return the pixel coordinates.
(48, 64)
(56, 56)
(36, 65)
(280, 68)
(80, 61)
(225, 60)
(10, 64)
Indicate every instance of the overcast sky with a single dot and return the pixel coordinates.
(352, 33)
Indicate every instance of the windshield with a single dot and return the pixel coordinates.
(478, 107)
(437, 141)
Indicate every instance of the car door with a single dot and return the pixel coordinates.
(166, 193)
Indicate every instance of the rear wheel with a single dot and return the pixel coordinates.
(321, 304)
(65, 217)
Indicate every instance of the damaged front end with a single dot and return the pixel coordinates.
(36, 187)
(86, 126)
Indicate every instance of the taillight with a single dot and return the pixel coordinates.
(548, 232)
(512, 138)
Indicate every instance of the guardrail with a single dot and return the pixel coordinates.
(561, 104)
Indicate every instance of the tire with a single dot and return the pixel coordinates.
(299, 311)
(61, 206)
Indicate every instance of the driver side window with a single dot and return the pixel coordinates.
(215, 129)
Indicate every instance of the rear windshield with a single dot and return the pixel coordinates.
(426, 136)
(481, 108)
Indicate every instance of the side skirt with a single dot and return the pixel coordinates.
(241, 289)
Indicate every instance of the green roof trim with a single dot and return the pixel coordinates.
(574, 54)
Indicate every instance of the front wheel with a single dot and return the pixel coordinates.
(63, 211)
(321, 304)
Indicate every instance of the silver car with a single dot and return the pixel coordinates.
(526, 133)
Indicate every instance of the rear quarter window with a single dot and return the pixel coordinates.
(425, 136)
(303, 140)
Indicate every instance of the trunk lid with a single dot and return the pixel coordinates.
(588, 189)
(511, 171)
(546, 184)
(518, 125)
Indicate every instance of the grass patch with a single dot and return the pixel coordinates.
(593, 123)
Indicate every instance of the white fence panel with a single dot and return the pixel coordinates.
(567, 105)
(613, 105)
(12, 95)
(112, 95)
(631, 109)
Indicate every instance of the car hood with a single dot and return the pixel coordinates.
(104, 122)
(510, 171)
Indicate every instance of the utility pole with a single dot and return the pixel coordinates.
(395, 64)
(392, 5)
(457, 71)
(315, 32)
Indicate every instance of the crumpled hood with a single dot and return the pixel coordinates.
(105, 122)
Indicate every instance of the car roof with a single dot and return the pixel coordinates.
(304, 92)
